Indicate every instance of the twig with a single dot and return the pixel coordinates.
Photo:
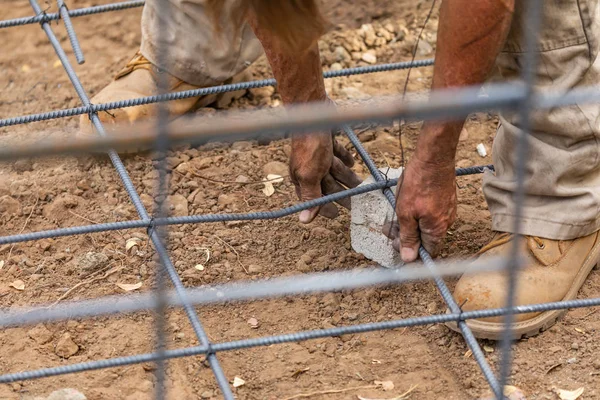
(22, 229)
(234, 182)
(329, 391)
(235, 251)
(106, 275)
(82, 217)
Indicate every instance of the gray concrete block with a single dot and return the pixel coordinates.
(370, 211)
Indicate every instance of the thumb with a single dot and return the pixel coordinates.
(310, 191)
(410, 238)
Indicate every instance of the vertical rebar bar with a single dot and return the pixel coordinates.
(531, 25)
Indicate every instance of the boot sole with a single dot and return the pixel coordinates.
(541, 322)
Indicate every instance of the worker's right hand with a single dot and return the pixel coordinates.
(425, 207)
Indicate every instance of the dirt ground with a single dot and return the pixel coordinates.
(67, 191)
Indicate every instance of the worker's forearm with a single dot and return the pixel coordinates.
(470, 36)
(299, 75)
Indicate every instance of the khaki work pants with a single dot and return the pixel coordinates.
(563, 165)
(195, 53)
(563, 168)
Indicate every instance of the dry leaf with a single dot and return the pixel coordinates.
(131, 245)
(385, 385)
(18, 284)
(374, 361)
(128, 287)
(57, 64)
(268, 190)
(1, 264)
(569, 395)
(579, 330)
(199, 267)
(253, 322)
(468, 354)
(274, 178)
(488, 349)
(237, 382)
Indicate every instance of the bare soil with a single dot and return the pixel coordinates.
(66, 191)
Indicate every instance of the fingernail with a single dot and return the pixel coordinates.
(408, 254)
(305, 216)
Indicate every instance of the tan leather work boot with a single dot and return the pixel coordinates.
(139, 78)
(553, 270)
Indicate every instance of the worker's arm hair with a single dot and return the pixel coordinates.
(471, 34)
(297, 24)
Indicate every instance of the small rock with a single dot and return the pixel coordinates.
(66, 394)
(207, 394)
(91, 262)
(242, 179)
(241, 146)
(173, 162)
(596, 364)
(40, 334)
(9, 206)
(321, 232)
(424, 48)
(342, 55)
(253, 322)
(259, 94)
(575, 346)
(254, 269)
(183, 168)
(276, 168)
(226, 199)
(66, 347)
(23, 165)
(178, 205)
(369, 58)
(336, 67)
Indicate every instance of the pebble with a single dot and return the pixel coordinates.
(91, 262)
(241, 146)
(178, 205)
(66, 347)
(322, 233)
(9, 206)
(336, 67)
(66, 394)
(254, 269)
(424, 48)
(276, 168)
(341, 54)
(369, 58)
(575, 346)
(226, 199)
(40, 334)
(260, 93)
(207, 394)
(23, 165)
(596, 364)
(242, 179)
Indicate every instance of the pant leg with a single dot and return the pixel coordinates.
(195, 53)
(563, 165)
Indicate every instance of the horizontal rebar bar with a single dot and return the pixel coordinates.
(295, 337)
(47, 17)
(70, 112)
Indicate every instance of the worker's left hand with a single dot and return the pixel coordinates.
(319, 166)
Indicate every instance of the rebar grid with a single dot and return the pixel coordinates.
(161, 299)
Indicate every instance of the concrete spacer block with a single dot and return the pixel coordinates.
(370, 211)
